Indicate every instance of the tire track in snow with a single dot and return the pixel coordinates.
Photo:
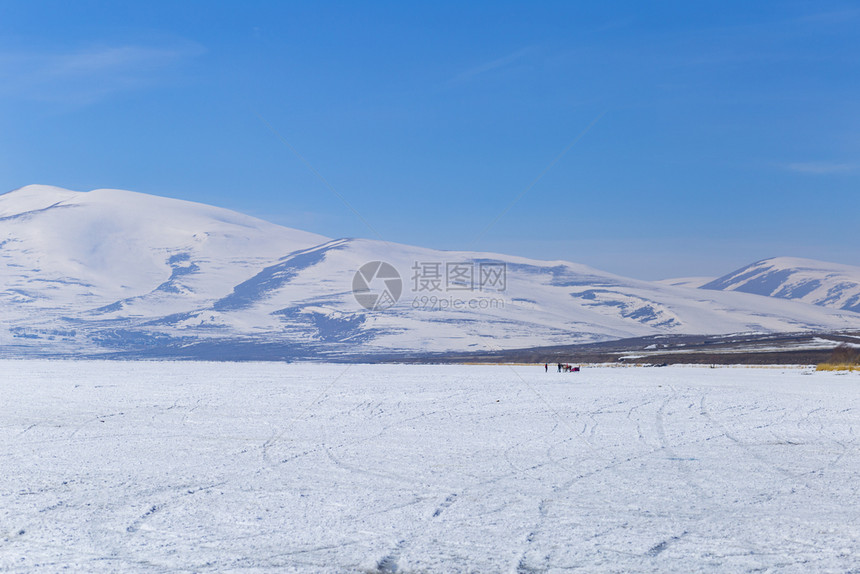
(525, 563)
(746, 447)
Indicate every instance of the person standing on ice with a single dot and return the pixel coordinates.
(545, 367)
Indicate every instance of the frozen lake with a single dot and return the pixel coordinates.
(162, 467)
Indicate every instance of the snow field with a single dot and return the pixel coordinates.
(167, 466)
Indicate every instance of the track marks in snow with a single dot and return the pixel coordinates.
(26, 430)
(97, 418)
(449, 500)
(525, 563)
(388, 563)
(437, 469)
(744, 445)
(658, 549)
(135, 526)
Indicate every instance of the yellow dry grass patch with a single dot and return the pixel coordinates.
(838, 367)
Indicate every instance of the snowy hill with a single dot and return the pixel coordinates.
(109, 271)
(69, 250)
(816, 282)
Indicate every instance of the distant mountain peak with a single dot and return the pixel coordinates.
(820, 283)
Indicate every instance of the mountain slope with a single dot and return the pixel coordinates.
(105, 250)
(109, 271)
(691, 282)
(815, 282)
(543, 303)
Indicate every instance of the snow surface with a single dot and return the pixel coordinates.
(166, 467)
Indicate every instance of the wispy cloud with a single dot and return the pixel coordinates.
(87, 75)
(492, 65)
(820, 167)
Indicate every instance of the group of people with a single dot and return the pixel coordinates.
(562, 367)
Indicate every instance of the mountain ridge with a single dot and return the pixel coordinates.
(115, 272)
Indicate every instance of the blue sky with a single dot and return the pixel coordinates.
(705, 135)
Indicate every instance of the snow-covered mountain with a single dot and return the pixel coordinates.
(67, 251)
(816, 282)
(109, 271)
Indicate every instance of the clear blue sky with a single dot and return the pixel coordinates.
(721, 132)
